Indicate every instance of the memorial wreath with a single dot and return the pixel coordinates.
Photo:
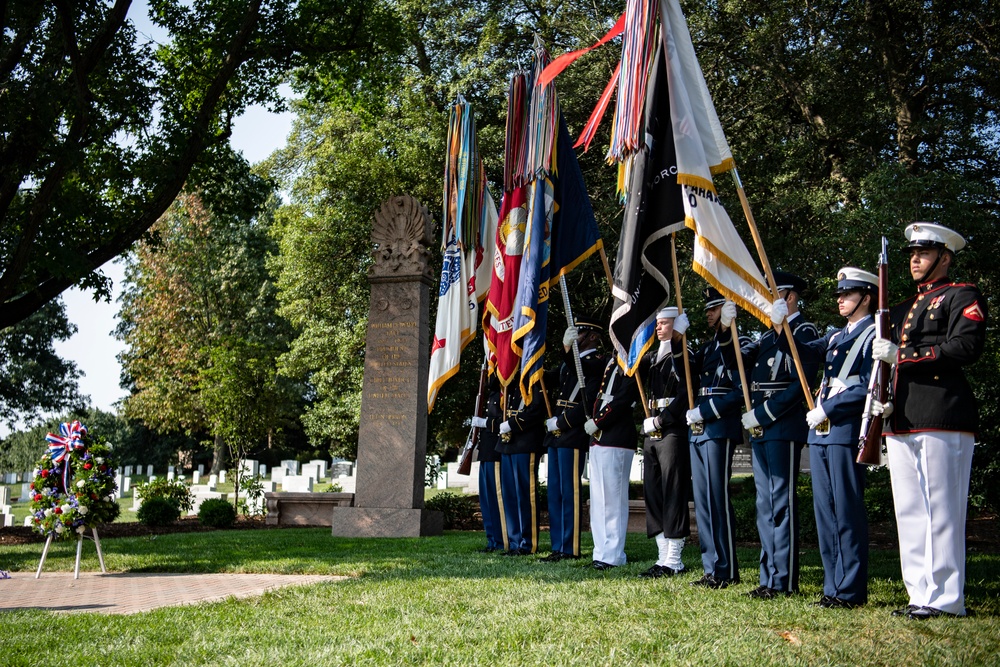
(74, 484)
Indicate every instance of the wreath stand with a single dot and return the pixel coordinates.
(79, 550)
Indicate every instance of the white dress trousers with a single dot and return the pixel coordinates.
(930, 489)
(609, 472)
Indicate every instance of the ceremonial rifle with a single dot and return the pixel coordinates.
(465, 462)
(870, 439)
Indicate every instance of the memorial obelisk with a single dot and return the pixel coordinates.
(392, 438)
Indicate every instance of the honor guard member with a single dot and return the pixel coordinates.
(666, 459)
(566, 441)
(521, 443)
(838, 482)
(777, 427)
(490, 493)
(932, 420)
(715, 432)
(612, 447)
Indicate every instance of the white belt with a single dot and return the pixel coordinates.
(658, 403)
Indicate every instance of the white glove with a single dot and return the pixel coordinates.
(505, 428)
(879, 408)
(693, 416)
(885, 350)
(479, 422)
(649, 425)
(779, 311)
(728, 313)
(569, 336)
(750, 420)
(550, 424)
(816, 416)
(681, 323)
(591, 427)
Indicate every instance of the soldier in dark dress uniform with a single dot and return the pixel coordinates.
(521, 444)
(838, 482)
(666, 459)
(715, 432)
(612, 447)
(932, 421)
(777, 428)
(567, 442)
(490, 493)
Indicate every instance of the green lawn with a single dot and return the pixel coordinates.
(436, 601)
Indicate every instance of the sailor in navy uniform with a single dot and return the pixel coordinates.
(715, 432)
(777, 428)
(932, 420)
(666, 459)
(521, 443)
(490, 493)
(838, 482)
(566, 441)
(612, 447)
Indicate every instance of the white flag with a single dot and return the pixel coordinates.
(720, 256)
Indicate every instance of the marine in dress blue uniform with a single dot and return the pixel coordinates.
(838, 482)
(524, 428)
(715, 432)
(490, 493)
(932, 421)
(777, 428)
(666, 469)
(567, 442)
(612, 448)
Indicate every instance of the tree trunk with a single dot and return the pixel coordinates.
(218, 455)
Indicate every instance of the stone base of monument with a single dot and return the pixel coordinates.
(386, 522)
(289, 508)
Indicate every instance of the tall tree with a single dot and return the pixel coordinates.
(197, 293)
(99, 131)
(33, 378)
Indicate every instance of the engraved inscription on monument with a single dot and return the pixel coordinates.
(392, 437)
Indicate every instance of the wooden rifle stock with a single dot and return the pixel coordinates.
(870, 440)
(465, 462)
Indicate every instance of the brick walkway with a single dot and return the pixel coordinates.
(123, 593)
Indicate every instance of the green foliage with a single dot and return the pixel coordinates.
(158, 511)
(102, 129)
(252, 503)
(459, 510)
(174, 491)
(216, 513)
(33, 378)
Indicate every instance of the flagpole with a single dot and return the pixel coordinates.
(607, 269)
(803, 380)
(739, 366)
(576, 346)
(680, 309)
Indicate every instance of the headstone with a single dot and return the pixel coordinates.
(28, 521)
(392, 438)
(25, 491)
(222, 477)
(262, 471)
(126, 484)
(213, 481)
(170, 475)
(311, 470)
(290, 466)
(321, 464)
(277, 474)
(195, 477)
(149, 471)
(8, 520)
(249, 467)
(4, 495)
(297, 484)
(341, 469)
(201, 468)
(128, 471)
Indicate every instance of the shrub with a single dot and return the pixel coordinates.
(459, 510)
(158, 511)
(163, 488)
(216, 513)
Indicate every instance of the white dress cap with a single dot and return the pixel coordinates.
(930, 235)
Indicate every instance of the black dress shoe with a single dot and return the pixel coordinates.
(566, 556)
(601, 565)
(517, 552)
(923, 613)
(553, 557)
(762, 593)
(830, 602)
(657, 571)
(904, 611)
(489, 550)
(708, 581)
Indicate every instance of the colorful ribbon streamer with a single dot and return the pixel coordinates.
(60, 447)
